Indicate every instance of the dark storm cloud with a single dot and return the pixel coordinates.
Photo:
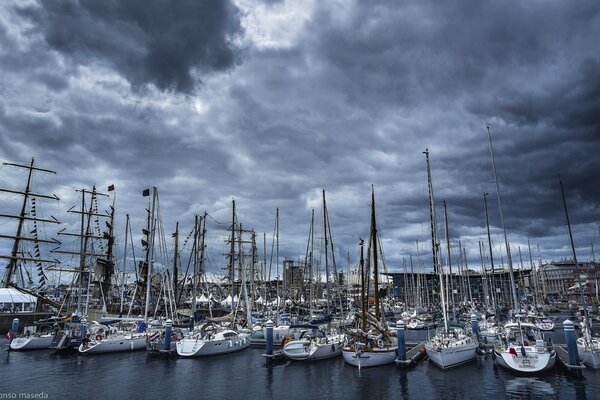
(349, 99)
(159, 42)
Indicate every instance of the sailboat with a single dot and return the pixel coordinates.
(450, 346)
(316, 344)
(588, 347)
(377, 345)
(132, 335)
(524, 350)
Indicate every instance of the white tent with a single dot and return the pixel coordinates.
(227, 301)
(11, 298)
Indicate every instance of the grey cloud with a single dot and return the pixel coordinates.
(155, 42)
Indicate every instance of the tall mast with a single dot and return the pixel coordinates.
(449, 257)
(13, 258)
(374, 249)
(487, 224)
(326, 254)
(202, 255)
(434, 242)
(124, 265)
(562, 191)
(363, 282)
(510, 266)
(232, 251)
(150, 253)
(195, 248)
(175, 260)
(277, 257)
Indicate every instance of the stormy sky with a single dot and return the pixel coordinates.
(269, 102)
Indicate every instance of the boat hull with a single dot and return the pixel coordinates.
(113, 345)
(31, 343)
(189, 347)
(532, 363)
(305, 350)
(373, 358)
(590, 358)
(451, 356)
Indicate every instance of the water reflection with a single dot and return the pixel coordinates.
(529, 388)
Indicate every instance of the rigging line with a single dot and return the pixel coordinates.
(216, 221)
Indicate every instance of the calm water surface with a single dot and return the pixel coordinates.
(244, 375)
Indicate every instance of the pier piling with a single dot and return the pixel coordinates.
(269, 341)
(401, 351)
(474, 325)
(168, 333)
(571, 341)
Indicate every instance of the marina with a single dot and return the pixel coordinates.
(245, 374)
(299, 199)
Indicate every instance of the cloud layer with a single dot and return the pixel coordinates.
(269, 102)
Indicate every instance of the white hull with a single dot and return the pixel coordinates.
(375, 357)
(311, 350)
(590, 357)
(191, 347)
(115, 344)
(451, 356)
(31, 343)
(533, 362)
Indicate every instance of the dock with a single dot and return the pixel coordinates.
(414, 354)
(277, 356)
(563, 357)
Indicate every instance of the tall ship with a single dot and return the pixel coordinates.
(24, 295)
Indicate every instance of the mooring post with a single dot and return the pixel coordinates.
(168, 333)
(401, 352)
(571, 341)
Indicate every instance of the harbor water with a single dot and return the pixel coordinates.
(245, 375)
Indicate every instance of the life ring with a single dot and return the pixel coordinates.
(380, 343)
(98, 337)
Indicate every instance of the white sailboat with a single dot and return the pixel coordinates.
(210, 341)
(450, 346)
(376, 346)
(524, 349)
(588, 347)
(516, 353)
(32, 341)
(314, 345)
(104, 340)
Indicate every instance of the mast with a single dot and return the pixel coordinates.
(277, 258)
(363, 299)
(581, 298)
(487, 224)
(195, 274)
(124, 265)
(449, 258)
(310, 262)
(175, 259)
(202, 257)
(13, 258)
(533, 275)
(374, 249)
(326, 254)
(150, 254)
(434, 241)
(510, 266)
(232, 251)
